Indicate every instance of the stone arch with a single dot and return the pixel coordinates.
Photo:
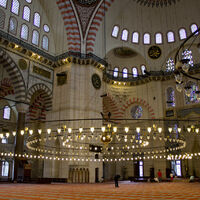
(40, 100)
(142, 102)
(6, 87)
(15, 74)
(71, 25)
(95, 24)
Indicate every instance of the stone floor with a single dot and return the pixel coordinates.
(101, 191)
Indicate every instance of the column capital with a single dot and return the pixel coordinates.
(22, 107)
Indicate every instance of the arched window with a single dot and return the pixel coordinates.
(36, 20)
(125, 73)
(35, 37)
(24, 32)
(170, 66)
(6, 112)
(2, 19)
(170, 37)
(147, 38)
(135, 37)
(13, 25)
(125, 35)
(45, 42)
(5, 168)
(182, 34)
(115, 31)
(158, 38)
(135, 72)
(190, 93)
(28, 1)
(116, 72)
(170, 97)
(187, 54)
(26, 13)
(143, 68)
(15, 7)
(193, 28)
(3, 3)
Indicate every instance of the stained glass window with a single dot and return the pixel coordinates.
(45, 42)
(35, 37)
(28, 1)
(187, 54)
(170, 66)
(115, 31)
(5, 168)
(125, 35)
(116, 72)
(24, 32)
(143, 68)
(125, 73)
(135, 72)
(135, 37)
(136, 112)
(3, 3)
(158, 38)
(26, 13)
(15, 7)
(170, 97)
(192, 96)
(194, 27)
(170, 37)
(182, 34)
(147, 38)
(6, 112)
(36, 20)
(46, 28)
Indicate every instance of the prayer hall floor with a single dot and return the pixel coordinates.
(101, 191)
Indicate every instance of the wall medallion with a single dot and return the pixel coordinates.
(96, 81)
(22, 64)
(154, 52)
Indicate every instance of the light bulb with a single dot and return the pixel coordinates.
(159, 129)
(14, 133)
(179, 130)
(149, 129)
(22, 132)
(31, 132)
(189, 129)
(40, 131)
(170, 129)
(92, 129)
(197, 130)
(80, 130)
(115, 129)
(7, 135)
(126, 129)
(103, 128)
(138, 129)
(59, 130)
(69, 130)
(49, 131)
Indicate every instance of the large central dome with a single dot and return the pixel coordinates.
(156, 3)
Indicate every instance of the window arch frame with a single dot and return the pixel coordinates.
(116, 72)
(27, 32)
(29, 14)
(174, 39)
(156, 38)
(179, 33)
(11, 7)
(34, 19)
(3, 18)
(5, 107)
(5, 6)
(147, 33)
(138, 37)
(125, 68)
(127, 35)
(16, 28)
(116, 25)
(166, 96)
(142, 70)
(38, 37)
(47, 40)
(133, 74)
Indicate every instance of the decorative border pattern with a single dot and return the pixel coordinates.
(15, 75)
(71, 25)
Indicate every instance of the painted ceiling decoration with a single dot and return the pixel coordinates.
(156, 3)
(85, 9)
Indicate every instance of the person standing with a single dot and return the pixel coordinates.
(171, 176)
(159, 175)
(116, 180)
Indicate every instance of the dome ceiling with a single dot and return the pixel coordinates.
(156, 3)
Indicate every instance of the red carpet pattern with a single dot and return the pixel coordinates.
(104, 191)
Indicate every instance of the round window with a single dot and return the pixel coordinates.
(46, 28)
(136, 112)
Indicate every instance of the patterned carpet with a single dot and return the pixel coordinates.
(102, 191)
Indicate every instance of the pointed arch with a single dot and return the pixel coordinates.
(15, 74)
